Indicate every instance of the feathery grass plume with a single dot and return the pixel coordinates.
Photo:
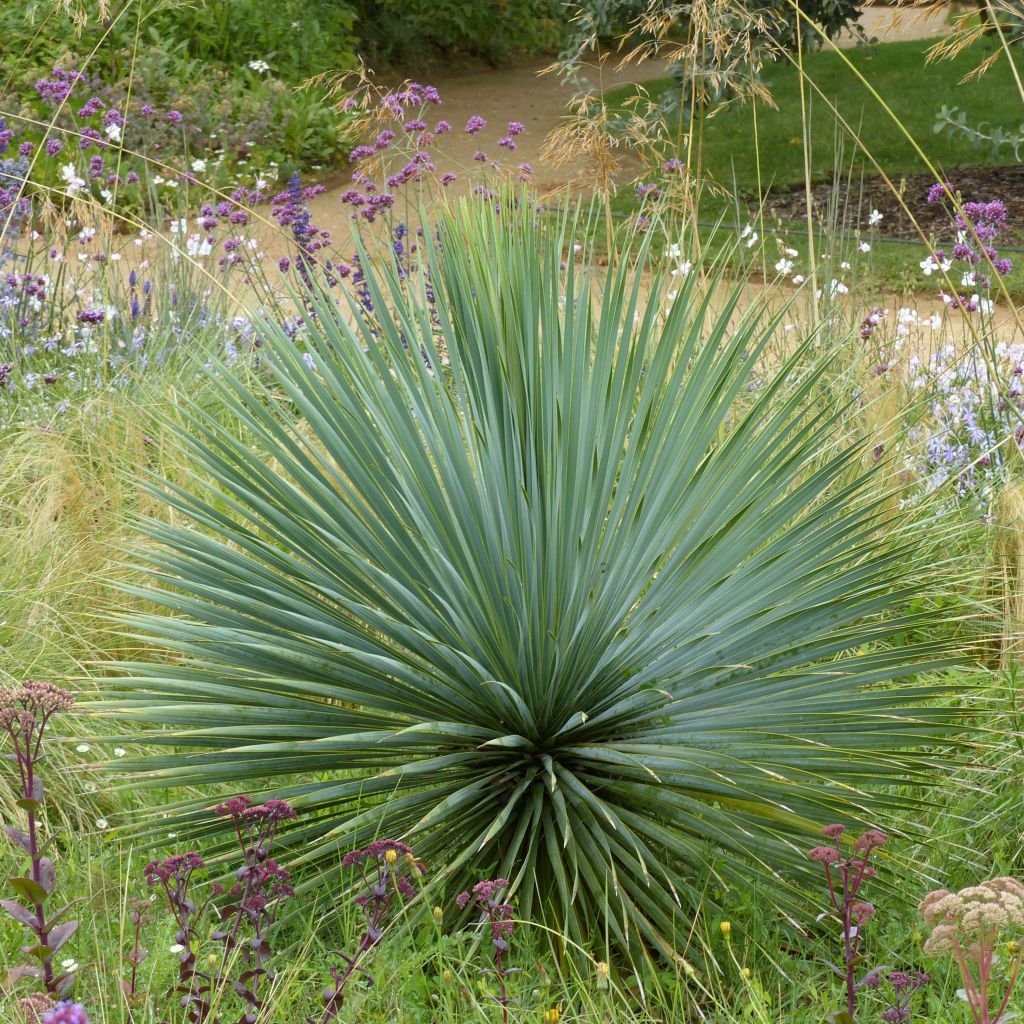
(1008, 572)
(544, 578)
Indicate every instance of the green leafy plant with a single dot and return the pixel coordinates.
(575, 591)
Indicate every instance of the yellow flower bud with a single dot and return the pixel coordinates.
(551, 1016)
(410, 860)
(212, 959)
(447, 977)
(726, 927)
(438, 914)
(746, 973)
(391, 856)
(1011, 948)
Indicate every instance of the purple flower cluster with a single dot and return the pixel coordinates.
(978, 226)
(56, 90)
(971, 409)
(291, 210)
(66, 1012)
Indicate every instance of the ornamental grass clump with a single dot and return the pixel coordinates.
(976, 927)
(556, 585)
(845, 874)
(25, 713)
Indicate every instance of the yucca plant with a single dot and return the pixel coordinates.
(527, 571)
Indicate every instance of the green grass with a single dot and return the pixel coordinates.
(913, 89)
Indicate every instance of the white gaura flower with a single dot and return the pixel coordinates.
(71, 179)
(69, 965)
(784, 266)
(113, 132)
(864, 247)
(198, 246)
(179, 227)
(930, 264)
(874, 217)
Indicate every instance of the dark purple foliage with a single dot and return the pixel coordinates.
(244, 920)
(489, 898)
(387, 868)
(845, 873)
(24, 716)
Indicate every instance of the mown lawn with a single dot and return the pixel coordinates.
(914, 90)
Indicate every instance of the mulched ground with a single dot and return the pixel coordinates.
(974, 183)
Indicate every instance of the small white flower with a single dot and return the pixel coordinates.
(69, 965)
(844, 265)
(784, 266)
(102, 823)
(792, 253)
(71, 179)
(674, 251)
(930, 264)
(259, 66)
(177, 948)
(108, 196)
(119, 751)
(172, 835)
(178, 227)
(798, 279)
(113, 132)
(683, 269)
(874, 218)
(864, 247)
(83, 748)
(198, 165)
(198, 246)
